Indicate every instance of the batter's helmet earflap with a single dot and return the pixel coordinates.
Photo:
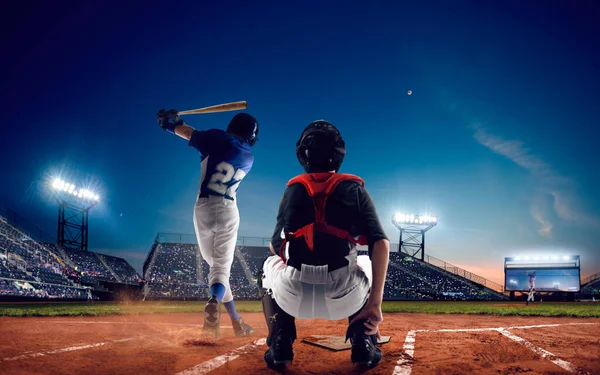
(245, 127)
(320, 148)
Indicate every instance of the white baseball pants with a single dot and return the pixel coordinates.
(216, 221)
(316, 293)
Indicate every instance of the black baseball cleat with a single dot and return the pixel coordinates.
(212, 318)
(364, 349)
(280, 352)
(240, 328)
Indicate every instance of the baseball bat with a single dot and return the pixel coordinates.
(225, 107)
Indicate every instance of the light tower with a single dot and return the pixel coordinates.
(412, 232)
(74, 204)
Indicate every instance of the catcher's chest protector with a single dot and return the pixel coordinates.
(320, 186)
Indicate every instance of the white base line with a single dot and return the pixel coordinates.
(219, 361)
(497, 328)
(404, 364)
(146, 323)
(80, 347)
(541, 352)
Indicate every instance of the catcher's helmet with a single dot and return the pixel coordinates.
(245, 127)
(320, 148)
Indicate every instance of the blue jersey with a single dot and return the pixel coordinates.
(225, 161)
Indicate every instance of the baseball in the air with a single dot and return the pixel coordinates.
(409, 92)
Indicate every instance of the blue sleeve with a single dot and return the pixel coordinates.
(201, 141)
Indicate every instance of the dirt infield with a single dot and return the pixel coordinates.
(420, 344)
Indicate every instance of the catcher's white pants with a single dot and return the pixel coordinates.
(316, 293)
(216, 221)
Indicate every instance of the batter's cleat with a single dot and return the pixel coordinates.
(280, 352)
(364, 349)
(240, 328)
(212, 318)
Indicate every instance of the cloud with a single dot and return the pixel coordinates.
(546, 226)
(515, 151)
(549, 183)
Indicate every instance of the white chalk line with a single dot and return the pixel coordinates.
(542, 352)
(82, 347)
(404, 364)
(146, 323)
(497, 328)
(210, 365)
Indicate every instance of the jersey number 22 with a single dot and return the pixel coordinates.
(224, 174)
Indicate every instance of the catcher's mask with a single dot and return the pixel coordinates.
(320, 148)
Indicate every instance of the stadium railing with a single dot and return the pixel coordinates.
(590, 278)
(463, 273)
(25, 226)
(184, 238)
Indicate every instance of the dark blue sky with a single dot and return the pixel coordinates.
(499, 137)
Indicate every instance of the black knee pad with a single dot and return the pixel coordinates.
(278, 321)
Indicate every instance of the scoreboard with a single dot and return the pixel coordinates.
(544, 273)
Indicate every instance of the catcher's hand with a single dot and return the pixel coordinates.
(373, 316)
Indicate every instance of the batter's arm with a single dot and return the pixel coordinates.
(184, 131)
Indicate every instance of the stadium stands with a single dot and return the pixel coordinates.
(123, 270)
(170, 272)
(590, 287)
(35, 269)
(425, 281)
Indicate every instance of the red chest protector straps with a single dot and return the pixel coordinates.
(320, 186)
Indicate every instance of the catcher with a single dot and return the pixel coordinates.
(315, 271)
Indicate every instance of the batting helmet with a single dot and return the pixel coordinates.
(320, 148)
(245, 127)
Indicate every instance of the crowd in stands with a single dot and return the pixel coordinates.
(172, 274)
(407, 279)
(414, 279)
(33, 269)
(30, 268)
(15, 288)
(591, 289)
(121, 268)
(89, 266)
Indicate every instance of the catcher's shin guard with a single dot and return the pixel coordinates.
(282, 332)
(364, 347)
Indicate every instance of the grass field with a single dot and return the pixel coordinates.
(429, 307)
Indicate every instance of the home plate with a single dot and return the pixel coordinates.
(336, 342)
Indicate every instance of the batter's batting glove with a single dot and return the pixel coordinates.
(168, 120)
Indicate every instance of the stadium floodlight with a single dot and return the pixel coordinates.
(75, 202)
(566, 257)
(426, 219)
(555, 258)
(58, 185)
(412, 232)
